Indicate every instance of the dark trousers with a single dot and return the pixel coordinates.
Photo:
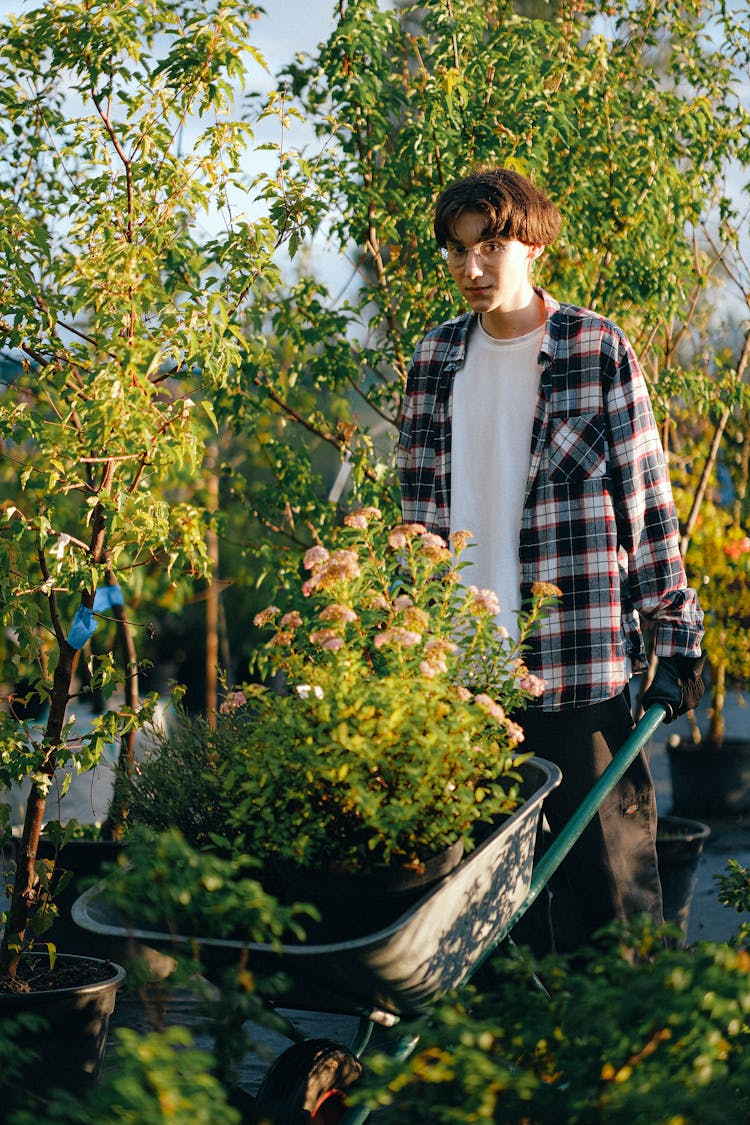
(611, 871)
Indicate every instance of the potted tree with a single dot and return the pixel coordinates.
(112, 333)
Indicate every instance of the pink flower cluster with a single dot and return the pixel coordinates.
(399, 537)
(397, 636)
(460, 540)
(416, 619)
(315, 557)
(433, 546)
(484, 601)
(399, 623)
(234, 700)
(495, 711)
(328, 569)
(436, 649)
(328, 639)
(532, 684)
(361, 518)
(341, 613)
(265, 616)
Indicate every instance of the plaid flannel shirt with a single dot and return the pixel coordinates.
(598, 517)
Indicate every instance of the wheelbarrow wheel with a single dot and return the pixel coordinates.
(307, 1085)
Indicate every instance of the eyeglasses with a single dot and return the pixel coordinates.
(487, 252)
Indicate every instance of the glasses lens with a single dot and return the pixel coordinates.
(484, 251)
(454, 255)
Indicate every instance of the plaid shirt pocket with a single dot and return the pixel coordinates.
(577, 448)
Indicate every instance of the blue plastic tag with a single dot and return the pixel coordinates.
(106, 597)
(83, 627)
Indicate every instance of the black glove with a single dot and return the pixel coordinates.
(677, 685)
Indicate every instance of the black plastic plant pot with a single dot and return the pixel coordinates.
(710, 781)
(66, 1051)
(679, 845)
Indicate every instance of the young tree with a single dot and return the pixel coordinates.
(119, 150)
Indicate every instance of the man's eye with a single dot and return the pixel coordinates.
(492, 247)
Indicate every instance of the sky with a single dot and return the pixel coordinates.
(290, 26)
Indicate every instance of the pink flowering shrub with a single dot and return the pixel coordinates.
(394, 733)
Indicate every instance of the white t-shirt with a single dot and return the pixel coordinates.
(494, 400)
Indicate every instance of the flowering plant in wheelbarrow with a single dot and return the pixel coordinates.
(393, 732)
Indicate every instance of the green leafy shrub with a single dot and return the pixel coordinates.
(168, 885)
(192, 897)
(662, 1039)
(734, 886)
(175, 784)
(156, 1079)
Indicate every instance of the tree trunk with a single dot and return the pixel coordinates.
(24, 884)
(212, 598)
(717, 726)
(112, 826)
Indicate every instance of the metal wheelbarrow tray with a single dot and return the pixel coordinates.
(400, 969)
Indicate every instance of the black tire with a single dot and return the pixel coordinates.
(307, 1085)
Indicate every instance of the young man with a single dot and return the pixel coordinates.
(528, 422)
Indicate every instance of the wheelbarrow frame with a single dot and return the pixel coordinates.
(364, 976)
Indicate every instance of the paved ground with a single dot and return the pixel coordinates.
(729, 839)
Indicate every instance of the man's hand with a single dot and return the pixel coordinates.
(677, 685)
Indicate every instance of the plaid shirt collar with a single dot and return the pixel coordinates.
(462, 326)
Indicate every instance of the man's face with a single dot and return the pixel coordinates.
(492, 274)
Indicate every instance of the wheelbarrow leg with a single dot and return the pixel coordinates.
(360, 1114)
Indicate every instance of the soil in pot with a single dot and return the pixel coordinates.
(75, 998)
(709, 781)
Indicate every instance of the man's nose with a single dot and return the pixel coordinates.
(474, 266)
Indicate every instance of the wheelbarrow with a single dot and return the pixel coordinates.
(437, 944)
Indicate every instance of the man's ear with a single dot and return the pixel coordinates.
(536, 251)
